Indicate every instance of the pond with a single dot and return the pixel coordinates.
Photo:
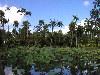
(55, 71)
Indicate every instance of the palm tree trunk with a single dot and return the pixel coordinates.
(52, 36)
(15, 30)
(8, 27)
(3, 26)
(27, 33)
(1, 69)
(72, 39)
(52, 29)
(51, 41)
(76, 40)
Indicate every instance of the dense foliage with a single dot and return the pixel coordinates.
(44, 34)
(47, 58)
(80, 47)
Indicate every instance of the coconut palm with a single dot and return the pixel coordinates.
(72, 28)
(24, 11)
(75, 18)
(26, 25)
(52, 24)
(3, 21)
(95, 16)
(15, 24)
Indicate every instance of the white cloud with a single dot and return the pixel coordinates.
(86, 2)
(81, 23)
(12, 14)
(64, 29)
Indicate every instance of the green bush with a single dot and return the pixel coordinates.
(46, 58)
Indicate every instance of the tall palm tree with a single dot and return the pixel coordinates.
(42, 29)
(1, 16)
(2, 24)
(39, 27)
(52, 24)
(75, 18)
(3, 21)
(26, 25)
(24, 11)
(89, 30)
(80, 30)
(95, 16)
(72, 28)
(1, 13)
(15, 24)
(59, 24)
(88, 26)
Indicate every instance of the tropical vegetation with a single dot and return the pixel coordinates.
(46, 48)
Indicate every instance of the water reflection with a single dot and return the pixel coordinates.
(8, 70)
(56, 71)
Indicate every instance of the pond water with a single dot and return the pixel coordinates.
(8, 70)
(56, 71)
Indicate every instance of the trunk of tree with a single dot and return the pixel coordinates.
(72, 39)
(76, 41)
(51, 38)
(52, 29)
(3, 26)
(51, 42)
(8, 28)
(15, 31)
(1, 69)
(27, 33)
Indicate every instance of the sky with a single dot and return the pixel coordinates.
(61, 10)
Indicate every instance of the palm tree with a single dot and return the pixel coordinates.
(39, 27)
(95, 16)
(2, 19)
(80, 30)
(24, 11)
(88, 26)
(89, 30)
(1, 16)
(26, 25)
(72, 28)
(42, 30)
(43, 27)
(2, 40)
(53, 24)
(75, 18)
(59, 24)
(1, 13)
(15, 24)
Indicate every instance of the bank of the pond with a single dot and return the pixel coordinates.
(48, 58)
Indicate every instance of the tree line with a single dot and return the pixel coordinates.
(78, 35)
